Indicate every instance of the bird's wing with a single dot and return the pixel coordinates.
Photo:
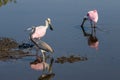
(44, 46)
(39, 32)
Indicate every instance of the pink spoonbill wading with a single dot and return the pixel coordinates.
(40, 31)
(92, 16)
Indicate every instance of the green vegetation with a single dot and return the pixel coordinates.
(4, 2)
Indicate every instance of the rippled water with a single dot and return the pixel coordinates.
(67, 38)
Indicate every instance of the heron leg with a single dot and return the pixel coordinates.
(37, 50)
(43, 55)
(50, 66)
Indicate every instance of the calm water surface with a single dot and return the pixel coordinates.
(66, 39)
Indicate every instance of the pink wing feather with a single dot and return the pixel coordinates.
(93, 15)
(39, 32)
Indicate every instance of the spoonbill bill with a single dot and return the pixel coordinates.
(92, 16)
(40, 31)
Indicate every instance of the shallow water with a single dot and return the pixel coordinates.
(66, 39)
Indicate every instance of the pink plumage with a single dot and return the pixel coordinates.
(93, 16)
(94, 45)
(39, 32)
(39, 66)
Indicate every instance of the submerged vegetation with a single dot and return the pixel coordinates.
(6, 44)
(4, 2)
(9, 49)
(70, 59)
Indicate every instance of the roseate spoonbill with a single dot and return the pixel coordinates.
(40, 31)
(92, 16)
(43, 46)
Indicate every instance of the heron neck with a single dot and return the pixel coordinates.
(31, 36)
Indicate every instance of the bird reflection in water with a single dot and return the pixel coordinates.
(43, 66)
(92, 39)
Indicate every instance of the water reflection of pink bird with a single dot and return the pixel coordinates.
(92, 39)
(43, 66)
(93, 42)
(39, 31)
(40, 66)
(92, 16)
